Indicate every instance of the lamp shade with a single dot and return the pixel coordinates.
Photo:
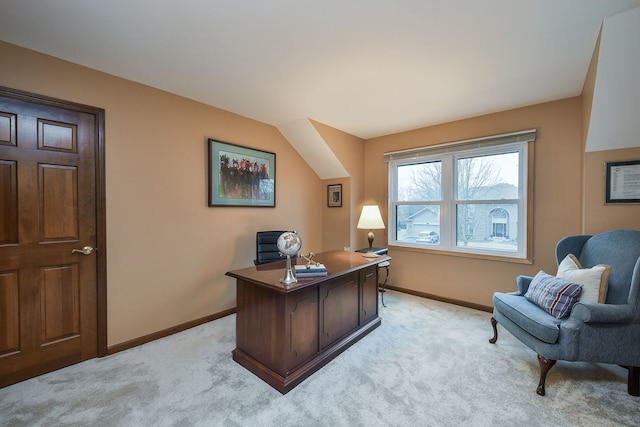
(370, 218)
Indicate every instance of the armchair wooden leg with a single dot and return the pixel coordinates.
(545, 365)
(633, 381)
(494, 323)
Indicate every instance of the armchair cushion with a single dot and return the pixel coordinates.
(594, 280)
(554, 295)
(528, 316)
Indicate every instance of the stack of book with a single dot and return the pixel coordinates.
(314, 270)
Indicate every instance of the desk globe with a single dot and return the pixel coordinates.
(289, 244)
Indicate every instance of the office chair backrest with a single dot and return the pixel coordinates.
(266, 247)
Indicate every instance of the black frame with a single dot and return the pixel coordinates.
(334, 195)
(613, 170)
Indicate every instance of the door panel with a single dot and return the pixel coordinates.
(8, 202)
(7, 128)
(58, 203)
(9, 320)
(59, 303)
(57, 136)
(48, 294)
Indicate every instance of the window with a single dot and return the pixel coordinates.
(468, 196)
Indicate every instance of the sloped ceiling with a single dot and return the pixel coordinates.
(366, 67)
(615, 110)
(304, 137)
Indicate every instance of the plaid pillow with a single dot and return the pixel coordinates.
(554, 295)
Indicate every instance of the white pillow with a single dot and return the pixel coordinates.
(594, 280)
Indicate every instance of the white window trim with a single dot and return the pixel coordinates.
(448, 153)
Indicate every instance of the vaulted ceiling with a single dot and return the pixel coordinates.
(366, 67)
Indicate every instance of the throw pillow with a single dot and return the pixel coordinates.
(594, 280)
(552, 294)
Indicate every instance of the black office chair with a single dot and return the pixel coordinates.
(266, 247)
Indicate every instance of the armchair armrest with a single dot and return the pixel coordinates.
(522, 283)
(602, 313)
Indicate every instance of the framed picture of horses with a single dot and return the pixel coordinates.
(241, 176)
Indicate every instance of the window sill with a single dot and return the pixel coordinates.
(512, 260)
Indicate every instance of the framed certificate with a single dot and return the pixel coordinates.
(622, 182)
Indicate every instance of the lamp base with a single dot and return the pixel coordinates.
(370, 254)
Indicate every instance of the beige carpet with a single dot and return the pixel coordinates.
(429, 364)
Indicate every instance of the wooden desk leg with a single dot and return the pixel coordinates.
(382, 286)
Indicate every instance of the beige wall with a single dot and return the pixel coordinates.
(599, 216)
(167, 251)
(339, 224)
(557, 199)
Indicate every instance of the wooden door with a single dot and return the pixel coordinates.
(48, 290)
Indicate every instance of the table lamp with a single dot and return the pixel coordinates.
(370, 219)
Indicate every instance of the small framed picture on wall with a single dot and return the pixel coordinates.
(334, 196)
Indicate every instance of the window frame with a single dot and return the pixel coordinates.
(448, 154)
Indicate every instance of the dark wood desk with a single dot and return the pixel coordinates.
(283, 335)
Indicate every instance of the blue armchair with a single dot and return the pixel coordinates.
(593, 332)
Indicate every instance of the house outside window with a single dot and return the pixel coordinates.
(500, 223)
(467, 197)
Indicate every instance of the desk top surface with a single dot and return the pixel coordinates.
(337, 262)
